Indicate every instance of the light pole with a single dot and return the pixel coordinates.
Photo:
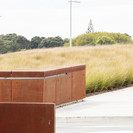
(71, 20)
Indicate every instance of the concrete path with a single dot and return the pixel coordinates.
(94, 127)
(110, 112)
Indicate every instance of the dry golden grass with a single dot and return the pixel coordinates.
(108, 66)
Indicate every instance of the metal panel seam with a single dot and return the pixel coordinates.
(11, 87)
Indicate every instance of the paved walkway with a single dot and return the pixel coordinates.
(87, 127)
(103, 112)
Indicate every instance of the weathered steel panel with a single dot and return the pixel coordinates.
(26, 118)
(50, 72)
(5, 86)
(5, 73)
(5, 90)
(64, 70)
(49, 90)
(27, 90)
(78, 68)
(64, 89)
(59, 85)
(78, 85)
(27, 73)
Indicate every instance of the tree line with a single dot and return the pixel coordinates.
(101, 38)
(14, 42)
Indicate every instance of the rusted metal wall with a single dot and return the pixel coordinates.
(64, 89)
(49, 86)
(27, 118)
(78, 82)
(49, 93)
(59, 85)
(5, 87)
(27, 90)
(64, 85)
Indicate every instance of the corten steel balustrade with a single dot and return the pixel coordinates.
(27, 118)
(59, 85)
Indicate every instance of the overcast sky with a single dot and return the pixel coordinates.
(51, 17)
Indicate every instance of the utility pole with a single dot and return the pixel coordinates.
(71, 2)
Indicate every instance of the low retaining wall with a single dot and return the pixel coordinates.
(60, 85)
(27, 118)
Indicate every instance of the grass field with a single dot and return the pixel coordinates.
(107, 66)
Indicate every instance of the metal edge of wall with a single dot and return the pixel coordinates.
(42, 73)
(27, 73)
(62, 70)
(78, 68)
(5, 73)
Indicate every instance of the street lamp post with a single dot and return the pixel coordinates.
(71, 20)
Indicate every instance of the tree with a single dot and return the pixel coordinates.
(58, 41)
(23, 42)
(43, 43)
(90, 27)
(127, 35)
(51, 42)
(105, 40)
(13, 42)
(3, 48)
(35, 41)
(9, 43)
(9, 37)
(66, 40)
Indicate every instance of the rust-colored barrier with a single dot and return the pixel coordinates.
(64, 89)
(25, 88)
(78, 82)
(60, 85)
(5, 87)
(27, 118)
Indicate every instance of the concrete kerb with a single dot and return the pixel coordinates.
(69, 103)
(95, 119)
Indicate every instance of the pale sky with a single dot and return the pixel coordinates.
(51, 18)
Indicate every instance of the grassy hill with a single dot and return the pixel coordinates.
(108, 66)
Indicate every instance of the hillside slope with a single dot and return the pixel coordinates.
(107, 66)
